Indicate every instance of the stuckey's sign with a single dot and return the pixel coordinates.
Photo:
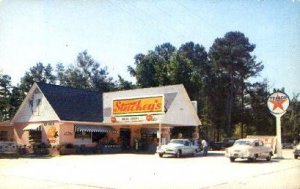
(138, 105)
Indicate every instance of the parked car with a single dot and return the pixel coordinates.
(297, 151)
(227, 142)
(250, 149)
(178, 148)
(287, 145)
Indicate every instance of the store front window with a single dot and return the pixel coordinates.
(35, 136)
(83, 134)
(97, 137)
(3, 135)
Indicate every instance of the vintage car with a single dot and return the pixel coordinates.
(178, 148)
(297, 151)
(250, 149)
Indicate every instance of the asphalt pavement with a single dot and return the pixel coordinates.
(214, 171)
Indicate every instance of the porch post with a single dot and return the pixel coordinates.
(159, 130)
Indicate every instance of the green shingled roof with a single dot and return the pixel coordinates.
(72, 104)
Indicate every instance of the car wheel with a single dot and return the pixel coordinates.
(195, 152)
(268, 158)
(178, 154)
(161, 154)
(232, 159)
(296, 156)
(251, 159)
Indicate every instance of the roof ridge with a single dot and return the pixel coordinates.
(147, 88)
(67, 87)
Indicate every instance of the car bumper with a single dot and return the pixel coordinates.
(239, 155)
(171, 152)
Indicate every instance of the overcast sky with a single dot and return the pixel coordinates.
(113, 32)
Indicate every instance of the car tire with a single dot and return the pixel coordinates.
(232, 159)
(178, 154)
(161, 155)
(251, 159)
(296, 156)
(194, 153)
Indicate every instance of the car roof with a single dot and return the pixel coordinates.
(248, 139)
(181, 139)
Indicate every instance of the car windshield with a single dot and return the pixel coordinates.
(177, 141)
(242, 142)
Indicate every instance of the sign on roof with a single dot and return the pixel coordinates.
(140, 106)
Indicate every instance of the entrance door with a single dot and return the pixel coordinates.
(125, 136)
(96, 137)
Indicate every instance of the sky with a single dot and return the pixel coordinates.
(113, 32)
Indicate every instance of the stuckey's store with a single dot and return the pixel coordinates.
(131, 119)
(149, 115)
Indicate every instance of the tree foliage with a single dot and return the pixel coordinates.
(37, 73)
(232, 62)
(228, 104)
(5, 85)
(86, 74)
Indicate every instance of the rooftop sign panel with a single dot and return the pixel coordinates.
(138, 106)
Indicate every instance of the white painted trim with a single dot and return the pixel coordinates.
(26, 99)
(29, 94)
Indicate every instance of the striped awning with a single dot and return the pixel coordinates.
(33, 127)
(94, 128)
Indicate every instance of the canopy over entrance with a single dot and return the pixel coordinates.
(33, 127)
(94, 128)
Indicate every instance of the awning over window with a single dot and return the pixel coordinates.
(33, 127)
(94, 128)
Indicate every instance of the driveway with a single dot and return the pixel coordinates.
(148, 171)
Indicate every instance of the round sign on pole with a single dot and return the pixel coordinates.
(278, 103)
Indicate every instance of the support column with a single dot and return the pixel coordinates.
(159, 130)
(278, 137)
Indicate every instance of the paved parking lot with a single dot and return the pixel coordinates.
(148, 171)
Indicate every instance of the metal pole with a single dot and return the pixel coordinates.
(159, 130)
(278, 136)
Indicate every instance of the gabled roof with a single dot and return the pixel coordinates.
(179, 110)
(72, 104)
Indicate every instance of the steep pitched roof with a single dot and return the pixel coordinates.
(72, 104)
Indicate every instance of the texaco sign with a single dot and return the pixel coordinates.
(278, 103)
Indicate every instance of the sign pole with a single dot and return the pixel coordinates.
(278, 137)
(159, 130)
(278, 104)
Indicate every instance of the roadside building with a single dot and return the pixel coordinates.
(140, 118)
(57, 115)
(148, 115)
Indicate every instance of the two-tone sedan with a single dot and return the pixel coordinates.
(178, 148)
(250, 149)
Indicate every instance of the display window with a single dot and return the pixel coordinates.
(3, 135)
(35, 136)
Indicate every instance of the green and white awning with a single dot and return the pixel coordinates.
(33, 127)
(94, 128)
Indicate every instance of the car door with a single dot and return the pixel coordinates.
(256, 147)
(189, 147)
(185, 148)
(263, 149)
